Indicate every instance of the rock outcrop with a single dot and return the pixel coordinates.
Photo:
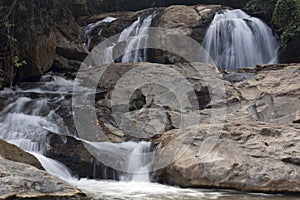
(258, 146)
(19, 181)
(74, 154)
(39, 59)
(14, 153)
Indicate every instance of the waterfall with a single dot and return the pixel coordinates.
(91, 27)
(135, 36)
(26, 120)
(138, 39)
(139, 165)
(235, 40)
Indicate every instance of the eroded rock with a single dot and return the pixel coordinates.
(256, 148)
(19, 181)
(14, 153)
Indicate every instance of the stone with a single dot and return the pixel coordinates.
(14, 153)
(191, 21)
(73, 153)
(256, 147)
(19, 181)
(69, 49)
(40, 58)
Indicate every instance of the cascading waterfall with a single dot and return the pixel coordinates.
(31, 114)
(91, 27)
(135, 37)
(235, 40)
(138, 38)
(139, 164)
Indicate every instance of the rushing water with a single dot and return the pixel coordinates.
(235, 40)
(138, 39)
(91, 27)
(134, 37)
(31, 112)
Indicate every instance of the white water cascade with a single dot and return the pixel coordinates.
(139, 165)
(135, 37)
(91, 27)
(138, 37)
(235, 40)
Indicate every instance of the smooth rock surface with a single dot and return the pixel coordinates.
(257, 147)
(19, 181)
(14, 153)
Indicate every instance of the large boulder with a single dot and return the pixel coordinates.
(40, 57)
(133, 91)
(257, 148)
(14, 153)
(69, 48)
(76, 156)
(19, 181)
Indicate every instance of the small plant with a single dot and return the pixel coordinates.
(18, 63)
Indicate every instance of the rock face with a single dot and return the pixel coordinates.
(40, 58)
(69, 48)
(72, 153)
(14, 153)
(24, 181)
(258, 147)
(191, 21)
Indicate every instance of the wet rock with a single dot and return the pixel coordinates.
(20, 181)
(191, 21)
(73, 153)
(69, 49)
(14, 153)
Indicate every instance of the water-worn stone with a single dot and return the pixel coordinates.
(258, 147)
(73, 153)
(20, 181)
(14, 153)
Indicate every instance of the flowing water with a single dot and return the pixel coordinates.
(235, 40)
(135, 37)
(91, 27)
(31, 111)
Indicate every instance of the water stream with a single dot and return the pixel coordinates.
(235, 40)
(31, 111)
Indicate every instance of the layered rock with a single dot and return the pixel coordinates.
(75, 155)
(256, 147)
(14, 153)
(20, 181)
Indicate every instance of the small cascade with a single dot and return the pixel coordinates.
(54, 167)
(138, 38)
(235, 40)
(139, 164)
(31, 115)
(89, 29)
(135, 37)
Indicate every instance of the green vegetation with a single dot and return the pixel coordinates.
(21, 22)
(284, 15)
(286, 18)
